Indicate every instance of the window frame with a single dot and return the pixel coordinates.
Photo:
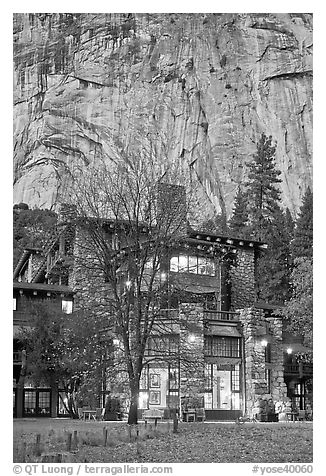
(192, 264)
(221, 346)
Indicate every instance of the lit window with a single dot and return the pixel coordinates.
(67, 306)
(14, 304)
(183, 263)
(174, 264)
(192, 264)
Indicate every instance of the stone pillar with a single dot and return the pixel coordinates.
(254, 358)
(242, 276)
(278, 386)
(256, 386)
(192, 363)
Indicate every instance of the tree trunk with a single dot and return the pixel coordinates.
(133, 410)
(73, 413)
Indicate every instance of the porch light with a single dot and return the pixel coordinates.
(264, 343)
(191, 338)
(289, 350)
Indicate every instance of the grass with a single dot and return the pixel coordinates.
(194, 442)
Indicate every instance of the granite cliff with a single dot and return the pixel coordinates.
(207, 85)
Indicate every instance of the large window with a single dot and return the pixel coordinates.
(216, 346)
(192, 264)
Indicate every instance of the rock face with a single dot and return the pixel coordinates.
(198, 89)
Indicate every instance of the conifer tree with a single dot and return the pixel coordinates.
(303, 233)
(268, 223)
(238, 223)
(274, 267)
(262, 191)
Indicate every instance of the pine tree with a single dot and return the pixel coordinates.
(238, 223)
(299, 309)
(263, 194)
(268, 223)
(274, 267)
(303, 235)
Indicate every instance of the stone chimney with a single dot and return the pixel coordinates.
(171, 209)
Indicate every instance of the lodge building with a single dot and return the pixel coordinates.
(242, 348)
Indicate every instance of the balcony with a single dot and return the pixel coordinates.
(298, 370)
(221, 316)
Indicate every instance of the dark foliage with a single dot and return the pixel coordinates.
(302, 245)
(238, 223)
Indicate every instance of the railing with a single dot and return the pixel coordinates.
(208, 315)
(304, 370)
(221, 316)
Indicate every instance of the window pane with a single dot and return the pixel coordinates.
(206, 266)
(143, 383)
(67, 306)
(174, 264)
(193, 264)
(236, 379)
(201, 265)
(208, 400)
(216, 346)
(208, 376)
(173, 379)
(183, 263)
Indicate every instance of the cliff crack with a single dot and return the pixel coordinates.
(291, 48)
(290, 75)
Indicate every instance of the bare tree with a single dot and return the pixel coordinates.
(129, 213)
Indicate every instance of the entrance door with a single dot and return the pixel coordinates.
(222, 389)
(222, 394)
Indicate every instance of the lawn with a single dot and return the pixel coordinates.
(194, 442)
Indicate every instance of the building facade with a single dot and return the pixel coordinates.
(217, 348)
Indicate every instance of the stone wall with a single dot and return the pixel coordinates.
(87, 281)
(192, 363)
(256, 386)
(242, 275)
